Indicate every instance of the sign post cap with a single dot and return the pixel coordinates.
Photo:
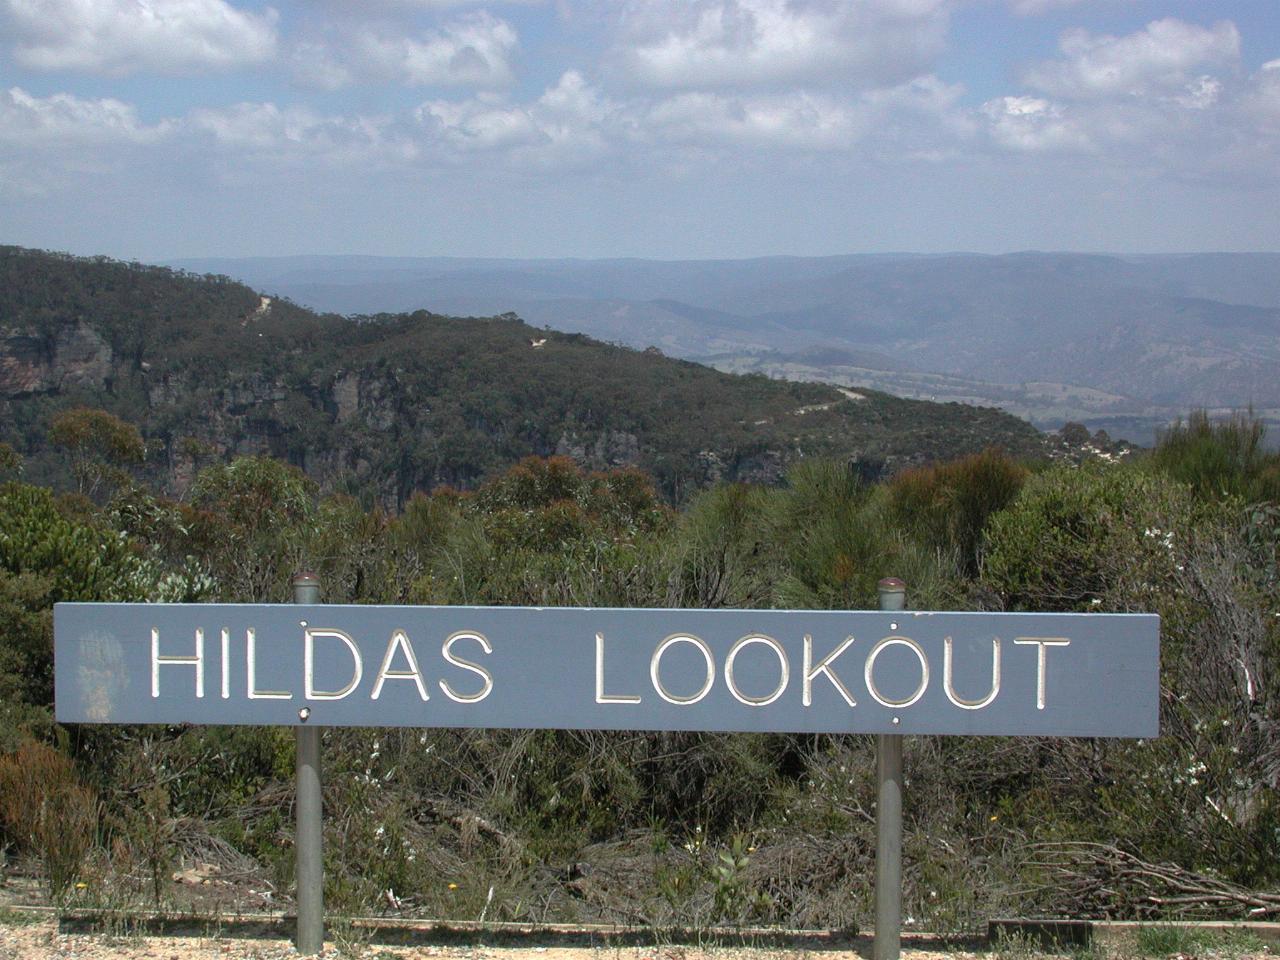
(306, 587)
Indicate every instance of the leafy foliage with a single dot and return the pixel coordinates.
(1076, 536)
(101, 446)
(45, 808)
(250, 520)
(948, 505)
(83, 561)
(1221, 458)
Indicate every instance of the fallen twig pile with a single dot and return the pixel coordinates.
(1099, 879)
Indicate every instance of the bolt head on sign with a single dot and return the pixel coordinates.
(828, 671)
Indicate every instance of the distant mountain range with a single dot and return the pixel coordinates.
(1126, 343)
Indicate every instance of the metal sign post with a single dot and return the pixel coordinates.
(888, 940)
(309, 834)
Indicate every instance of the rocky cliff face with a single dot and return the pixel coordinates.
(245, 413)
(602, 451)
(34, 361)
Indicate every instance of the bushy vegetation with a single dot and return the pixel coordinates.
(1221, 457)
(672, 827)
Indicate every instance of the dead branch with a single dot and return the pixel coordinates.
(1102, 879)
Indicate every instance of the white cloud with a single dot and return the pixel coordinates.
(256, 126)
(1140, 106)
(574, 97)
(480, 123)
(1168, 99)
(55, 144)
(573, 121)
(1032, 8)
(364, 7)
(920, 118)
(1031, 124)
(716, 43)
(570, 124)
(315, 65)
(788, 120)
(1161, 57)
(1200, 94)
(1260, 104)
(270, 132)
(474, 50)
(117, 37)
(64, 120)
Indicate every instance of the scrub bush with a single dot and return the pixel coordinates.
(1220, 458)
(947, 506)
(46, 810)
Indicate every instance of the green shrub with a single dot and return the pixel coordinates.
(252, 520)
(1077, 537)
(947, 505)
(82, 561)
(1220, 458)
(100, 445)
(721, 551)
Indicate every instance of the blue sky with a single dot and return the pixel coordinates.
(675, 129)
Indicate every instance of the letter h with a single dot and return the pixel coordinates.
(158, 661)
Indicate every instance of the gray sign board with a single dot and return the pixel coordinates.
(636, 669)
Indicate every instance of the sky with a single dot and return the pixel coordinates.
(671, 129)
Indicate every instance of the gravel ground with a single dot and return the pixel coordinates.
(42, 940)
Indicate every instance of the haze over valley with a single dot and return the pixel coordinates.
(1124, 343)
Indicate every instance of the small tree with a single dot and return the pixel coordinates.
(948, 505)
(101, 446)
(10, 462)
(253, 518)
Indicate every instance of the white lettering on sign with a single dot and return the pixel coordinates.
(446, 651)
(251, 671)
(226, 663)
(399, 641)
(400, 662)
(601, 696)
(784, 672)
(948, 684)
(869, 671)
(655, 668)
(309, 638)
(158, 661)
(1042, 644)
(823, 667)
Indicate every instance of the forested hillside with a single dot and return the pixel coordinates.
(385, 405)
